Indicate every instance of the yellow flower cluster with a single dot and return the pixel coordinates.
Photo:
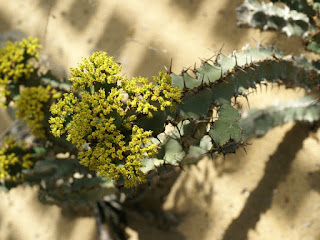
(13, 159)
(145, 96)
(101, 119)
(31, 105)
(15, 62)
(99, 68)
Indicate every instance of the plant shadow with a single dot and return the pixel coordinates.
(144, 209)
(150, 63)
(188, 7)
(227, 17)
(84, 8)
(276, 170)
(113, 43)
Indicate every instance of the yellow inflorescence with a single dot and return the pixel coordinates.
(13, 160)
(98, 68)
(30, 107)
(15, 64)
(102, 123)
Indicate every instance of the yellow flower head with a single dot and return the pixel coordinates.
(31, 106)
(99, 68)
(13, 159)
(16, 64)
(101, 118)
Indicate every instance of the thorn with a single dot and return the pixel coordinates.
(207, 60)
(216, 60)
(224, 80)
(179, 131)
(158, 139)
(254, 40)
(211, 154)
(170, 68)
(251, 59)
(274, 56)
(221, 48)
(243, 147)
(186, 70)
(184, 83)
(254, 64)
(235, 56)
(210, 49)
(194, 90)
(247, 101)
(202, 81)
(260, 87)
(181, 168)
(242, 70)
(202, 60)
(254, 86)
(164, 163)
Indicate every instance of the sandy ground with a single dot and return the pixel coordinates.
(272, 192)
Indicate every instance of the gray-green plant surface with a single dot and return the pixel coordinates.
(192, 130)
(297, 17)
(206, 122)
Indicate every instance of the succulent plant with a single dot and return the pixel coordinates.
(101, 131)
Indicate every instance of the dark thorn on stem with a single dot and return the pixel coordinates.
(181, 168)
(247, 101)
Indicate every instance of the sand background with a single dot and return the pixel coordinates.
(272, 192)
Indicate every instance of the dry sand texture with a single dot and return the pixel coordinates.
(270, 193)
